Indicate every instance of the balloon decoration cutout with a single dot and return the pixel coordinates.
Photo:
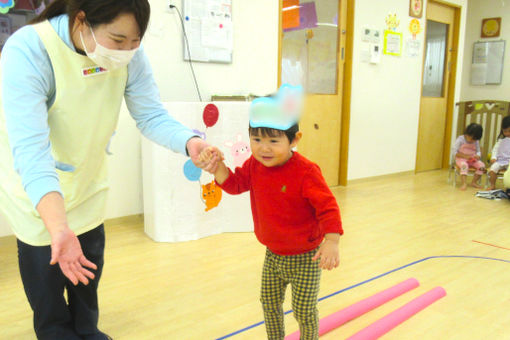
(211, 115)
(6, 5)
(191, 172)
(210, 194)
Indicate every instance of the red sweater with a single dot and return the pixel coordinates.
(291, 204)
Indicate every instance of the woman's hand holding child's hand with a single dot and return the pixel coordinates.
(211, 154)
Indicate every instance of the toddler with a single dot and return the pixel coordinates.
(466, 151)
(294, 212)
(500, 155)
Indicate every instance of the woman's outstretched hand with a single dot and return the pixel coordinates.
(66, 251)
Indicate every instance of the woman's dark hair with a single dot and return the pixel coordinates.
(98, 12)
(474, 130)
(270, 132)
(505, 124)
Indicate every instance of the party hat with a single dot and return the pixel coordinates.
(279, 112)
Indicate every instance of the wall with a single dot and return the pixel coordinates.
(254, 67)
(385, 99)
(478, 10)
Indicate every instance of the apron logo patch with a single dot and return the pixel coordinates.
(93, 71)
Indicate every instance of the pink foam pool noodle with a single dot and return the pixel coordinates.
(337, 319)
(395, 318)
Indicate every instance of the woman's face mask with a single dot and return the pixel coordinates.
(107, 58)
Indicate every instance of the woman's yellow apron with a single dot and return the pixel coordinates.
(81, 120)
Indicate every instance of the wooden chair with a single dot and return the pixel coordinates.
(487, 113)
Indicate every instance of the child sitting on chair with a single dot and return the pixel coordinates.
(294, 212)
(467, 154)
(500, 155)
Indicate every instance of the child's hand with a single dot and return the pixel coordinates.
(211, 156)
(206, 154)
(328, 254)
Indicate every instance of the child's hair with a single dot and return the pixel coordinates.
(474, 130)
(270, 132)
(505, 124)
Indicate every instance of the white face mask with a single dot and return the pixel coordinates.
(108, 58)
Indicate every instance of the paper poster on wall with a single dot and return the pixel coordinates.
(488, 58)
(209, 28)
(480, 53)
(415, 27)
(392, 22)
(478, 74)
(307, 17)
(290, 14)
(371, 35)
(392, 43)
(413, 48)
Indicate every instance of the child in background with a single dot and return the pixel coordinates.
(467, 154)
(500, 155)
(294, 212)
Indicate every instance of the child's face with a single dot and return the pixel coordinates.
(469, 138)
(506, 132)
(272, 151)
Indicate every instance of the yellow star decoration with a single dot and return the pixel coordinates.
(392, 22)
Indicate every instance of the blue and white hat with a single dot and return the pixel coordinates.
(280, 112)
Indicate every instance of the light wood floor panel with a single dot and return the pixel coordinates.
(209, 288)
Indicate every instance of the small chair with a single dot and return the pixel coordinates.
(487, 113)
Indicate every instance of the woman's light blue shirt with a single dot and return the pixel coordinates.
(28, 90)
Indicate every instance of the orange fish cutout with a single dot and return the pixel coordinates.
(211, 193)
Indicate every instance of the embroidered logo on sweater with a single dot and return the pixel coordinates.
(284, 188)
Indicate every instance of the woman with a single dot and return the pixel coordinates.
(63, 80)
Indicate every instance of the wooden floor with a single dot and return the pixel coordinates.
(209, 288)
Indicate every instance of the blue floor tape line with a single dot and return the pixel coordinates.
(369, 280)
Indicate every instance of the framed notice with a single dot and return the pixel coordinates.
(209, 30)
(487, 63)
(392, 43)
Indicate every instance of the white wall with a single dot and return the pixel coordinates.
(255, 59)
(385, 101)
(478, 10)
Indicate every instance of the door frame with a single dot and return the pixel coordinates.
(451, 82)
(345, 46)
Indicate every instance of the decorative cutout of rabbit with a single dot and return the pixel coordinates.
(211, 193)
(239, 150)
